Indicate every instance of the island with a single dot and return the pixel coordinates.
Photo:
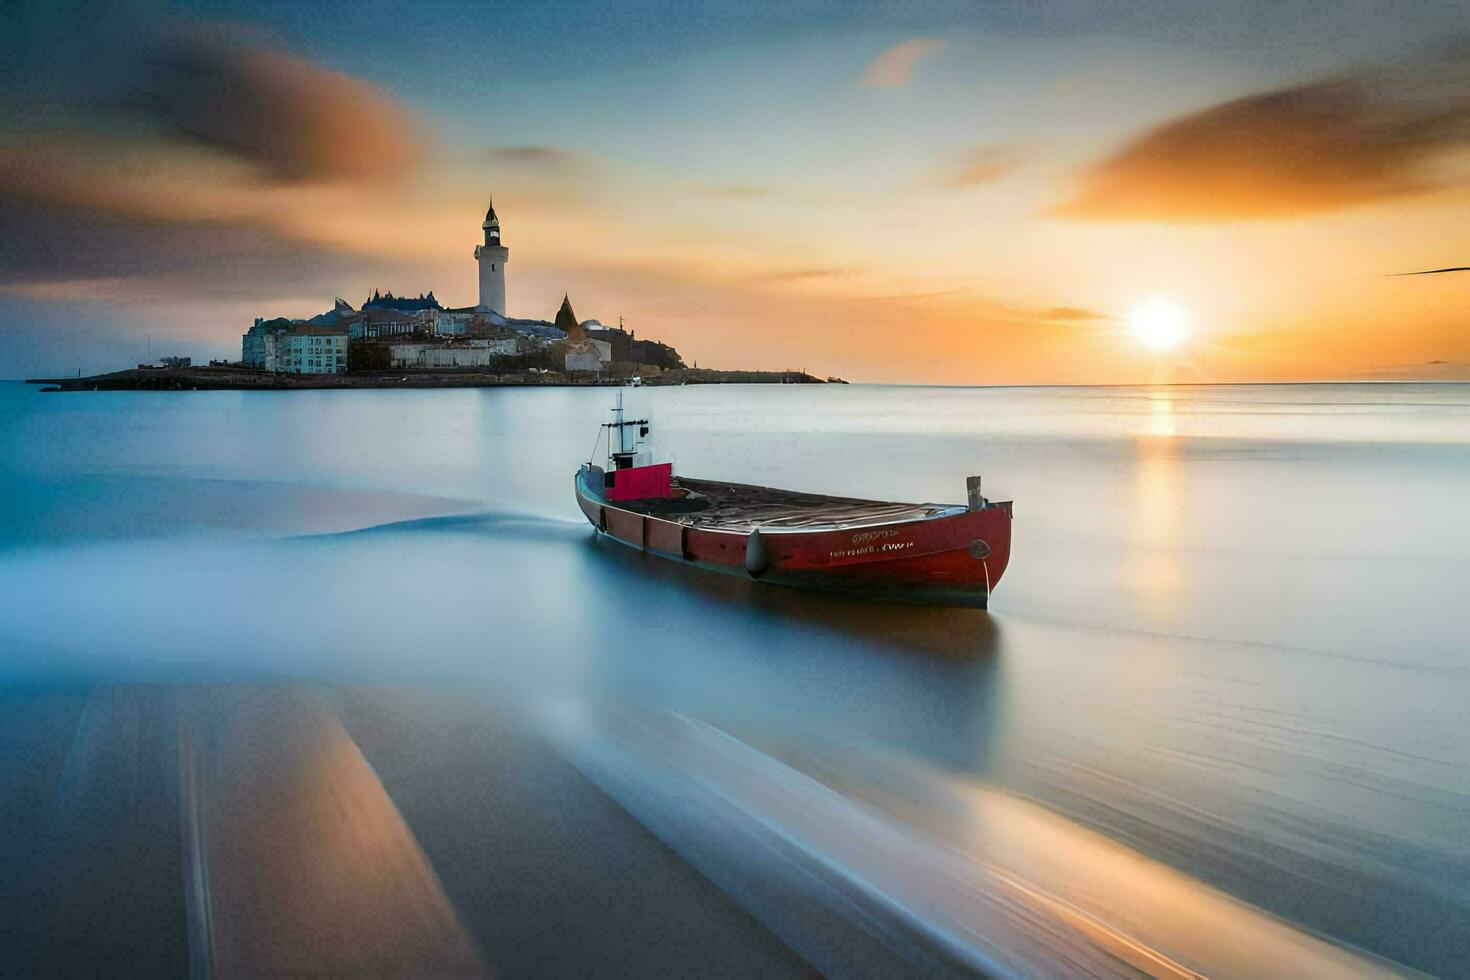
(417, 342)
(232, 377)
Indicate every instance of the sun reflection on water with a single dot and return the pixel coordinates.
(1157, 504)
(1161, 415)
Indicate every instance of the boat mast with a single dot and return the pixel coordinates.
(626, 432)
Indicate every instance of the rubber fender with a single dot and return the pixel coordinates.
(757, 558)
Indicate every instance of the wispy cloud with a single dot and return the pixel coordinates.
(805, 273)
(1316, 147)
(979, 165)
(1435, 272)
(894, 68)
(737, 191)
(1072, 314)
(1438, 370)
(542, 159)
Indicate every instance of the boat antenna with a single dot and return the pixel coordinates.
(596, 442)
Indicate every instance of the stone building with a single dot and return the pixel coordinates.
(427, 354)
(260, 347)
(378, 322)
(583, 353)
(475, 354)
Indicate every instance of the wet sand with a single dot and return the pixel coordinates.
(242, 830)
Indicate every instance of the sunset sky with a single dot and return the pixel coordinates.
(927, 192)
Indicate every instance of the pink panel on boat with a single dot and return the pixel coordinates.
(641, 482)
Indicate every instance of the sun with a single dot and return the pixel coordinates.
(1158, 323)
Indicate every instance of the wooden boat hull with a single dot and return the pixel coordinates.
(950, 556)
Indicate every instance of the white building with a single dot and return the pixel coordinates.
(309, 349)
(590, 355)
(474, 353)
(405, 354)
(492, 257)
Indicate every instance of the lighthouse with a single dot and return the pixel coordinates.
(492, 257)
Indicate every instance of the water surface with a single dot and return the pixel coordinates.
(1228, 661)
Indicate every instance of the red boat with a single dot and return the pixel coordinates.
(942, 554)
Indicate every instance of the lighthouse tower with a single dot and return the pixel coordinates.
(492, 257)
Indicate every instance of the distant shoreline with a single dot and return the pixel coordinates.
(247, 379)
(120, 381)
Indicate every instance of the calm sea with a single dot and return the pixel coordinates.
(334, 680)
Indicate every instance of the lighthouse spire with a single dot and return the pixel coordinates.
(492, 257)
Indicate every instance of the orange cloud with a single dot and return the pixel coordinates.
(805, 273)
(1071, 313)
(894, 68)
(948, 337)
(1308, 148)
(293, 119)
(177, 206)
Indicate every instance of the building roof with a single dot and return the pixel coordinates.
(535, 328)
(404, 304)
(566, 321)
(379, 315)
(317, 330)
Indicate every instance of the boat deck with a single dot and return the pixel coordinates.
(721, 506)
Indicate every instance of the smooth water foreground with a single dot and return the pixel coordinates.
(342, 681)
